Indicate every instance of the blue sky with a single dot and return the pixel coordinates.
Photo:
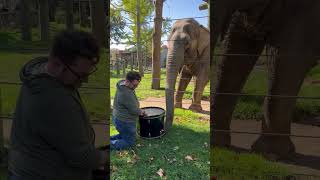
(185, 8)
(176, 9)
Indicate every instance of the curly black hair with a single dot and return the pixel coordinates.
(133, 75)
(68, 45)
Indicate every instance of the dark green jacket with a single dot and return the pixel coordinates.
(125, 104)
(50, 136)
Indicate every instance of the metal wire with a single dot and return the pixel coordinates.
(222, 93)
(151, 101)
(84, 87)
(93, 121)
(271, 175)
(257, 55)
(164, 19)
(269, 134)
(261, 95)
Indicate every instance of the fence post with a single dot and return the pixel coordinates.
(118, 66)
(2, 154)
(123, 68)
(131, 62)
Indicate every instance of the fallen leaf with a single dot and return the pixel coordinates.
(151, 158)
(135, 158)
(161, 173)
(205, 144)
(123, 153)
(175, 148)
(172, 160)
(189, 158)
(114, 168)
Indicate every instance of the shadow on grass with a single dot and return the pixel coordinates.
(167, 153)
(200, 112)
(296, 159)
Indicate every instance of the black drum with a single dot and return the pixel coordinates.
(152, 125)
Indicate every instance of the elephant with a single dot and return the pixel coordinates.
(289, 29)
(188, 53)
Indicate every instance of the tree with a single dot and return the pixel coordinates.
(25, 21)
(107, 45)
(44, 19)
(117, 25)
(144, 9)
(69, 14)
(98, 20)
(139, 57)
(2, 148)
(156, 45)
(84, 13)
(52, 10)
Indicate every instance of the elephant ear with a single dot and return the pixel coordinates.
(203, 40)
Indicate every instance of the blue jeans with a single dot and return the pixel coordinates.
(12, 176)
(126, 137)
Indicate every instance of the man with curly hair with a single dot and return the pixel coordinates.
(51, 136)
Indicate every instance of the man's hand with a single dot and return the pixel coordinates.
(142, 113)
(105, 153)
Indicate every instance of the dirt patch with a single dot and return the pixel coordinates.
(307, 158)
(312, 81)
(161, 102)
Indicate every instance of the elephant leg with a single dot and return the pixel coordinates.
(232, 73)
(185, 78)
(285, 78)
(201, 81)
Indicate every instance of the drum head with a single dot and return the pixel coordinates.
(152, 125)
(153, 111)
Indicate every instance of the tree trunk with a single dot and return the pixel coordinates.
(25, 21)
(131, 62)
(52, 10)
(118, 66)
(69, 14)
(156, 43)
(98, 20)
(2, 154)
(123, 68)
(139, 57)
(107, 45)
(84, 13)
(44, 19)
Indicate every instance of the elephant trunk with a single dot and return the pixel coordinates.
(175, 59)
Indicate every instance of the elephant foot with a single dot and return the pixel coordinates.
(195, 107)
(221, 139)
(178, 105)
(274, 147)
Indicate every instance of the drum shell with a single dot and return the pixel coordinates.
(151, 126)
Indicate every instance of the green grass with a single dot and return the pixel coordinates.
(230, 165)
(250, 107)
(188, 137)
(10, 39)
(145, 85)
(3, 174)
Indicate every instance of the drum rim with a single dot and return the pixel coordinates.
(164, 132)
(152, 117)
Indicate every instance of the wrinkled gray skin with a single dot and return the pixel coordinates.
(188, 53)
(290, 26)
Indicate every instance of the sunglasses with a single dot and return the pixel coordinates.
(81, 77)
